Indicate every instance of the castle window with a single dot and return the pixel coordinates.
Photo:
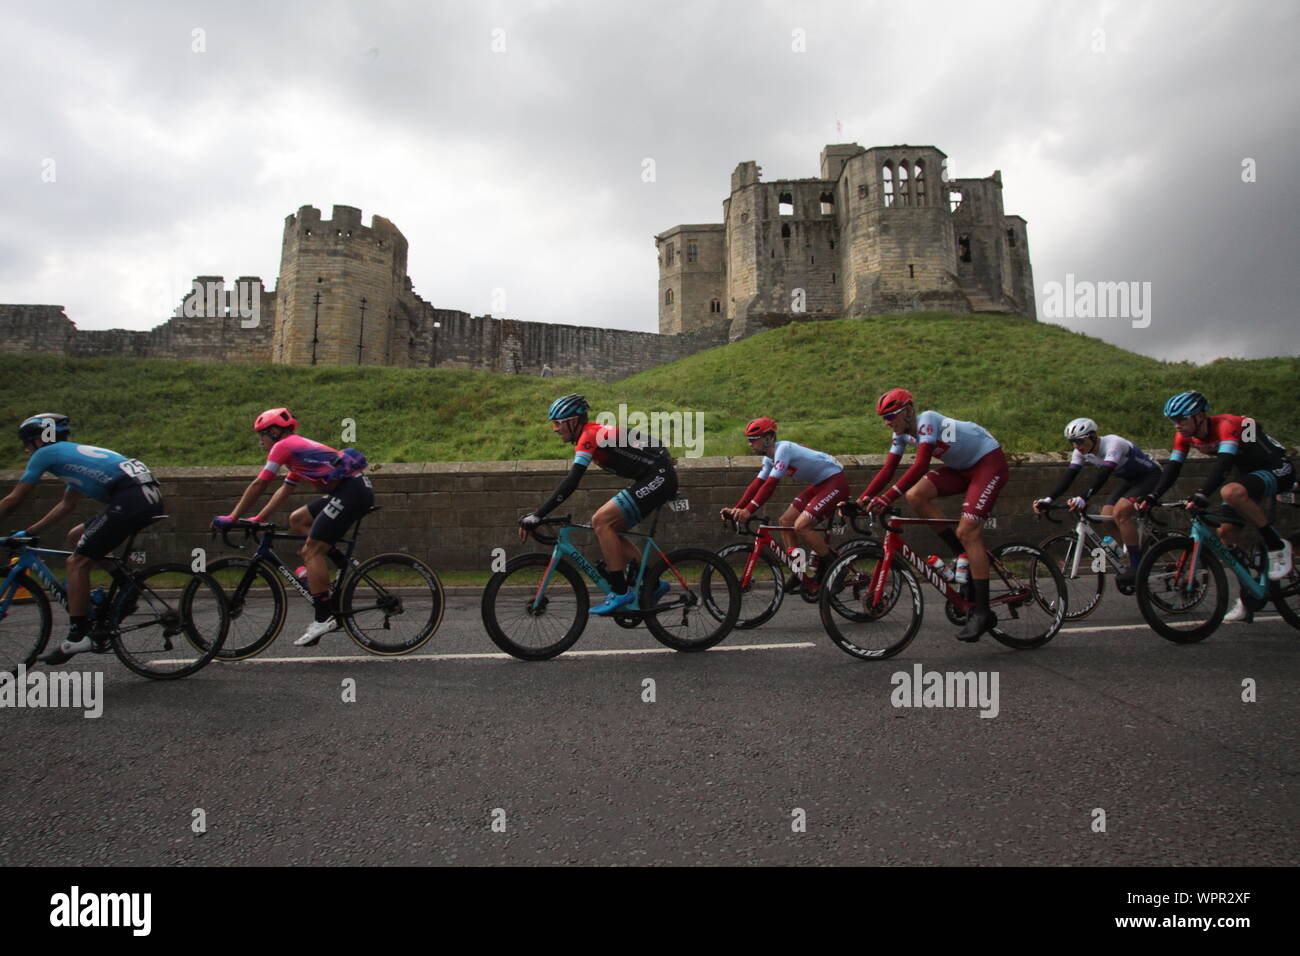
(744, 217)
(919, 178)
(1011, 238)
(692, 252)
(828, 204)
(338, 232)
(954, 201)
(785, 230)
(715, 306)
(381, 243)
(785, 204)
(306, 232)
(911, 271)
(963, 246)
(668, 297)
(904, 197)
(887, 172)
(832, 278)
(832, 243)
(669, 249)
(862, 191)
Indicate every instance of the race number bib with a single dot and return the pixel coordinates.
(137, 470)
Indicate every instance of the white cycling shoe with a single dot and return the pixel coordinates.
(1239, 612)
(315, 631)
(65, 651)
(1280, 562)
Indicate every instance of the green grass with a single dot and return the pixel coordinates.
(1020, 379)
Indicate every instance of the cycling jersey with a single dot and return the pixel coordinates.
(1128, 460)
(306, 460)
(625, 452)
(958, 444)
(1225, 437)
(95, 472)
(789, 458)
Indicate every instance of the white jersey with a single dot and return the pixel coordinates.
(792, 459)
(1128, 460)
(957, 444)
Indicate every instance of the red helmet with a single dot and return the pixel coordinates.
(274, 416)
(893, 400)
(760, 426)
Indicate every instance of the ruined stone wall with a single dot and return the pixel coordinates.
(805, 259)
(988, 278)
(695, 285)
(35, 329)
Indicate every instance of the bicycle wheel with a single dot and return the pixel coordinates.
(527, 626)
(701, 605)
(1286, 593)
(257, 606)
(861, 625)
(1085, 588)
(1028, 593)
(25, 624)
(391, 604)
(1183, 600)
(762, 597)
(168, 621)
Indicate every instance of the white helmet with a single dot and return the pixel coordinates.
(1080, 428)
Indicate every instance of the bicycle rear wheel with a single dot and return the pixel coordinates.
(701, 605)
(25, 624)
(168, 621)
(257, 606)
(1181, 593)
(1028, 594)
(392, 604)
(762, 597)
(858, 623)
(1084, 589)
(527, 624)
(1286, 593)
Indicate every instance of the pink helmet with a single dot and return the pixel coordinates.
(272, 417)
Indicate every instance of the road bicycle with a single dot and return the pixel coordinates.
(1182, 589)
(1086, 561)
(390, 604)
(163, 622)
(872, 606)
(760, 567)
(537, 607)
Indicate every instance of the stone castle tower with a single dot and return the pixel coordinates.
(882, 230)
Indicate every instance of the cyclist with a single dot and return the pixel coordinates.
(1116, 456)
(972, 462)
(348, 496)
(827, 486)
(623, 452)
(125, 486)
(1260, 462)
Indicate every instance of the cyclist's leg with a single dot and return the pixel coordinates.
(334, 514)
(937, 483)
(814, 504)
(988, 477)
(1245, 498)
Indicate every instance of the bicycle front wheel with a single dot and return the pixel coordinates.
(168, 621)
(25, 624)
(1182, 591)
(701, 605)
(528, 623)
(862, 623)
(392, 604)
(1027, 592)
(257, 605)
(1084, 587)
(1286, 593)
(761, 597)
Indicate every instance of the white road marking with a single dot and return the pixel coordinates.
(358, 658)
(1144, 627)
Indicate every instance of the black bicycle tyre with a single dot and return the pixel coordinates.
(1039, 561)
(360, 574)
(1146, 600)
(706, 606)
(1077, 610)
(772, 566)
(1286, 593)
(833, 618)
(205, 647)
(491, 594)
(41, 601)
(231, 650)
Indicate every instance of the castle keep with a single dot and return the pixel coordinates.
(881, 231)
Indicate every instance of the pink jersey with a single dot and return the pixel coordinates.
(305, 459)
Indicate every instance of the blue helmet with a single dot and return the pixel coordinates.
(34, 427)
(567, 407)
(1186, 403)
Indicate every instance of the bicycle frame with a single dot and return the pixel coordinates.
(763, 538)
(30, 560)
(565, 549)
(1089, 542)
(895, 545)
(1203, 535)
(266, 554)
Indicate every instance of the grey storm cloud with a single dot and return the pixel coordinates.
(1120, 130)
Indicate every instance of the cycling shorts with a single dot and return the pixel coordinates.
(642, 497)
(819, 499)
(1142, 485)
(345, 505)
(131, 506)
(982, 482)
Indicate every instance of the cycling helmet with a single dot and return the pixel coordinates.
(1080, 428)
(567, 407)
(893, 400)
(760, 426)
(272, 417)
(34, 427)
(1186, 403)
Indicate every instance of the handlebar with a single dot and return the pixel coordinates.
(544, 538)
(14, 542)
(250, 528)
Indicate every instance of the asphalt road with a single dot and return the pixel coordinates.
(788, 752)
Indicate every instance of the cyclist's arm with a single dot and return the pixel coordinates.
(881, 478)
(1168, 476)
(67, 504)
(765, 489)
(748, 496)
(919, 467)
(1104, 471)
(251, 494)
(562, 491)
(1222, 465)
(1067, 479)
(276, 502)
(12, 500)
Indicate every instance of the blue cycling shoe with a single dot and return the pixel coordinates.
(614, 602)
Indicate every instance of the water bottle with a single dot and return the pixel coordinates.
(936, 564)
(962, 575)
(1113, 546)
(96, 600)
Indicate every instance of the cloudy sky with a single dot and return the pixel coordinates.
(1121, 130)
